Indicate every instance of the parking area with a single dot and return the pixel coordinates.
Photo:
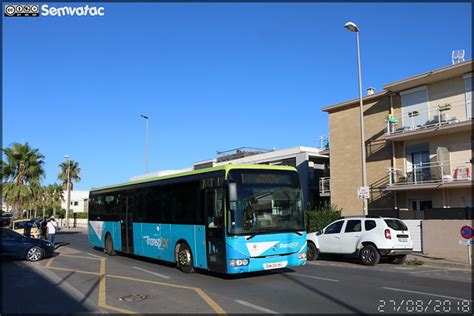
(128, 284)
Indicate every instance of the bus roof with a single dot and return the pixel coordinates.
(225, 168)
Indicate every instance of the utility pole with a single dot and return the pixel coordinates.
(354, 28)
(146, 143)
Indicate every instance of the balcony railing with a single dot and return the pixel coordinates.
(324, 186)
(434, 116)
(432, 173)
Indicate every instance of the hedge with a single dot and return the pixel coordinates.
(318, 219)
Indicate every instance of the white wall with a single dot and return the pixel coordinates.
(78, 200)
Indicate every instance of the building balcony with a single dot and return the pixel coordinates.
(436, 175)
(324, 189)
(439, 119)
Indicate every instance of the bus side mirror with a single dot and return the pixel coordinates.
(232, 188)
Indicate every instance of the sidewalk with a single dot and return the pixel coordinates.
(458, 263)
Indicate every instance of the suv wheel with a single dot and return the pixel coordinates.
(312, 252)
(369, 255)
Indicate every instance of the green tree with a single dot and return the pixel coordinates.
(22, 168)
(55, 194)
(74, 173)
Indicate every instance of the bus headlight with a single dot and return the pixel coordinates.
(238, 262)
(302, 255)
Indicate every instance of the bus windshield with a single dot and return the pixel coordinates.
(267, 201)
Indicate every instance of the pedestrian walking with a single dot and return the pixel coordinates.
(43, 228)
(51, 227)
(27, 229)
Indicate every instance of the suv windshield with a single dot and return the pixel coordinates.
(396, 224)
(267, 201)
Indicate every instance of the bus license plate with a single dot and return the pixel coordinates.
(275, 265)
(403, 239)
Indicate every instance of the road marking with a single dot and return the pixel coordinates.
(256, 307)
(154, 273)
(313, 277)
(427, 294)
(48, 264)
(204, 296)
(149, 281)
(78, 271)
(102, 291)
(96, 256)
(210, 301)
(80, 257)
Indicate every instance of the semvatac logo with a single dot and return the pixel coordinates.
(34, 10)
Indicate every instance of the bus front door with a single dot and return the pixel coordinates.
(215, 235)
(127, 225)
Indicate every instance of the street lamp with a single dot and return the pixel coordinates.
(146, 143)
(68, 172)
(351, 26)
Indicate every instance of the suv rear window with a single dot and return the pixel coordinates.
(369, 225)
(395, 224)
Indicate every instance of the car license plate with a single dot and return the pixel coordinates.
(275, 265)
(403, 239)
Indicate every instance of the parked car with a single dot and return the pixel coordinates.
(19, 227)
(367, 237)
(16, 245)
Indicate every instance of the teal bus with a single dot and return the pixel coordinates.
(228, 219)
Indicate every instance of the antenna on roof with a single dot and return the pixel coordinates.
(457, 56)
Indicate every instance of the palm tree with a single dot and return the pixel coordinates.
(55, 196)
(22, 168)
(74, 173)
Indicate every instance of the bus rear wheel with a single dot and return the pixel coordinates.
(109, 246)
(185, 259)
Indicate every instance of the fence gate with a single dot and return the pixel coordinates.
(414, 226)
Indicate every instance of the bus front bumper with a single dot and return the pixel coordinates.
(268, 263)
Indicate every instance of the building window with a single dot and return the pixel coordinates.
(418, 163)
(76, 203)
(415, 107)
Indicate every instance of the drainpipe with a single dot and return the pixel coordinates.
(394, 161)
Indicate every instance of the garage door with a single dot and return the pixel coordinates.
(414, 226)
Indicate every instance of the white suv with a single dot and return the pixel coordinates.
(368, 237)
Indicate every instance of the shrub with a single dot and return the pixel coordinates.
(318, 219)
(80, 215)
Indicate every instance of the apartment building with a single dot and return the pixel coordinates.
(418, 145)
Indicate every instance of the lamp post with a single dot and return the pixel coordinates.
(68, 172)
(351, 26)
(146, 143)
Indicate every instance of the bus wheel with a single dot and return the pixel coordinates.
(185, 259)
(109, 246)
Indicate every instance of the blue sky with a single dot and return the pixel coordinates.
(210, 76)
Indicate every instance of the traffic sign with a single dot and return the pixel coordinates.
(363, 193)
(466, 232)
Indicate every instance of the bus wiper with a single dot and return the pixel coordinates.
(251, 236)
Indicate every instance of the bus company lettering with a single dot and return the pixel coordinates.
(160, 243)
(290, 245)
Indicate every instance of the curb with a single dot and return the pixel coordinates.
(430, 263)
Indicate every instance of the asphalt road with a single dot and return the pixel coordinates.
(132, 284)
